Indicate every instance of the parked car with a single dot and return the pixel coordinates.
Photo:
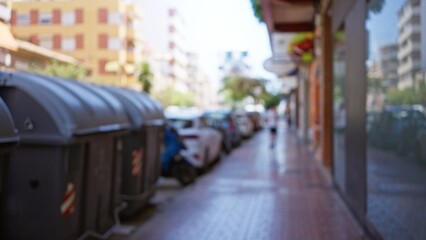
(225, 122)
(256, 119)
(203, 142)
(421, 146)
(398, 128)
(244, 124)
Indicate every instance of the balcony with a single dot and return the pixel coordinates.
(409, 66)
(407, 32)
(408, 49)
(407, 14)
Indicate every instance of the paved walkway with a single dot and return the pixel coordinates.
(257, 193)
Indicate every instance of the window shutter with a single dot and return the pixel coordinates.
(103, 41)
(79, 41)
(79, 15)
(57, 41)
(103, 15)
(34, 39)
(56, 16)
(34, 17)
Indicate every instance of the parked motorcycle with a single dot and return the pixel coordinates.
(175, 162)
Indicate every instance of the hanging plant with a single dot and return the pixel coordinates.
(257, 10)
(301, 48)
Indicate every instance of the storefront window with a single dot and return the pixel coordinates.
(339, 109)
(396, 120)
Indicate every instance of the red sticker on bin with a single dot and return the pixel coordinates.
(68, 205)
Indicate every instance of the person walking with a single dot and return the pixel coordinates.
(288, 113)
(272, 121)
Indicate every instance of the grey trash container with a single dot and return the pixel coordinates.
(64, 176)
(141, 153)
(8, 139)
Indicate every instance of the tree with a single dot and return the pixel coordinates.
(238, 88)
(375, 7)
(407, 96)
(272, 100)
(257, 10)
(145, 77)
(62, 70)
(171, 97)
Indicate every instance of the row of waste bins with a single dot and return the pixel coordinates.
(73, 156)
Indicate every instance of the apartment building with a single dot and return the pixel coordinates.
(164, 33)
(200, 83)
(388, 55)
(411, 41)
(21, 55)
(100, 33)
(7, 42)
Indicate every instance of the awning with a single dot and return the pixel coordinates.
(29, 48)
(7, 40)
(288, 15)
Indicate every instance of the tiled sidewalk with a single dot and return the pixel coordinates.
(257, 193)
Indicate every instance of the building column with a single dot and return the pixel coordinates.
(326, 90)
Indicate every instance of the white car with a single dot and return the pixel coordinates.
(245, 125)
(204, 144)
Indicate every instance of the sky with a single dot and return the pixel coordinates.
(383, 27)
(215, 26)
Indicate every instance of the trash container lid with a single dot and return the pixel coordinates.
(76, 108)
(7, 128)
(140, 107)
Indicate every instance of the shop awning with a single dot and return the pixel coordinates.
(7, 40)
(288, 15)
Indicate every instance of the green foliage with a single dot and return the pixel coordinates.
(407, 96)
(57, 69)
(237, 88)
(145, 77)
(271, 100)
(339, 36)
(171, 97)
(257, 10)
(376, 6)
(375, 84)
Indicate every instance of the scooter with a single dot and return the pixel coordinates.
(175, 160)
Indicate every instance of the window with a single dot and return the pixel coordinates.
(181, 123)
(68, 18)
(23, 19)
(46, 18)
(114, 18)
(114, 43)
(68, 44)
(46, 42)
